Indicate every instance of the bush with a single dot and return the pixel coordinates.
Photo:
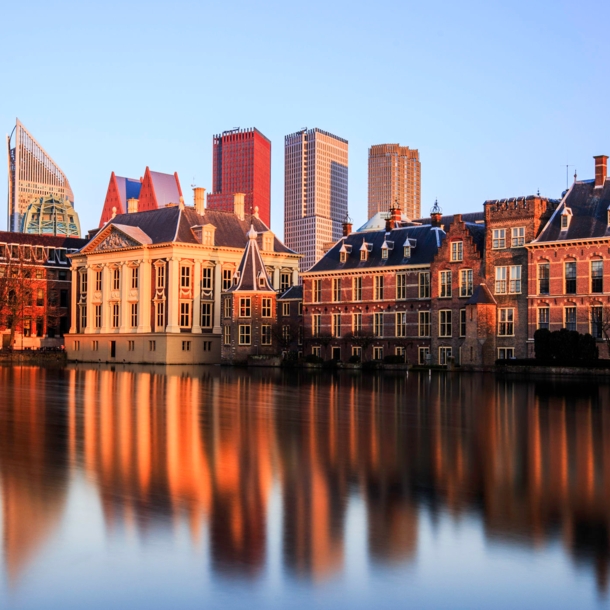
(354, 359)
(393, 359)
(587, 349)
(313, 359)
(564, 346)
(542, 344)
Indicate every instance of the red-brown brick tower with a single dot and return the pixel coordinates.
(242, 164)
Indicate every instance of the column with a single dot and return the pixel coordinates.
(106, 279)
(295, 277)
(124, 307)
(173, 300)
(276, 278)
(89, 300)
(145, 297)
(197, 297)
(73, 308)
(217, 298)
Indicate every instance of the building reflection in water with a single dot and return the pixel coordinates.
(205, 447)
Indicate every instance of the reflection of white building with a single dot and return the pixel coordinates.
(148, 286)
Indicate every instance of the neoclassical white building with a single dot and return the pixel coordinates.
(148, 286)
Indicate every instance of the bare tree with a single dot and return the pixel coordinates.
(361, 339)
(600, 324)
(286, 335)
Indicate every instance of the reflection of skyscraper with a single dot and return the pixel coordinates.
(32, 174)
(315, 192)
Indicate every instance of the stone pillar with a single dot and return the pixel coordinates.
(196, 297)
(89, 300)
(173, 296)
(276, 278)
(295, 277)
(124, 307)
(106, 287)
(145, 297)
(73, 293)
(217, 298)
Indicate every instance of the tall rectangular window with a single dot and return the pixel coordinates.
(544, 278)
(185, 277)
(160, 273)
(378, 324)
(160, 316)
(444, 323)
(227, 308)
(286, 309)
(378, 288)
(597, 322)
(315, 325)
(506, 322)
(245, 307)
(134, 315)
(462, 322)
(336, 289)
(83, 282)
(466, 282)
(357, 323)
(499, 239)
(317, 291)
(98, 316)
(357, 287)
(517, 237)
(543, 317)
(266, 307)
(115, 315)
(570, 277)
(444, 284)
(457, 251)
(401, 286)
(206, 278)
(116, 279)
(401, 324)
(597, 276)
(83, 317)
(570, 318)
(206, 314)
(285, 281)
(501, 280)
(423, 324)
(226, 335)
(444, 353)
(265, 334)
(424, 285)
(135, 272)
(514, 285)
(227, 278)
(185, 314)
(98, 280)
(336, 325)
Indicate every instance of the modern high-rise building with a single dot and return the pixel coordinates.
(242, 164)
(394, 177)
(315, 192)
(32, 174)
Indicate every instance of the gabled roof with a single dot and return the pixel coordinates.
(478, 235)
(481, 295)
(589, 214)
(251, 275)
(294, 292)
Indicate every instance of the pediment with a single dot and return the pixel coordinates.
(111, 238)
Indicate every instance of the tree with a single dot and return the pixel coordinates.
(286, 335)
(16, 295)
(361, 339)
(600, 321)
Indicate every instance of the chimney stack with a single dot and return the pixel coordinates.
(199, 197)
(132, 205)
(601, 170)
(239, 205)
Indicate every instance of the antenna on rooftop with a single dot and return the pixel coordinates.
(567, 166)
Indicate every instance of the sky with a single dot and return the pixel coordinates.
(497, 96)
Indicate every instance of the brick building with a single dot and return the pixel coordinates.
(290, 329)
(35, 288)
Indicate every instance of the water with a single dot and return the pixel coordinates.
(222, 488)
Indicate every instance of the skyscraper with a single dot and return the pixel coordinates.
(32, 174)
(394, 176)
(315, 192)
(242, 164)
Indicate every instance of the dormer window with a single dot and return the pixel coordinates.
(342, 256)
(609, 216)
(268, 242)
(236, 277)
(384, 253)
(407, 251)
(363, 254)
(261, 281)
(566, 217)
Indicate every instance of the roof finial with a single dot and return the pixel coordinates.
(436, 209)
(575, 175)
(251, 234)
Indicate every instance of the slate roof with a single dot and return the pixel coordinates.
(251, 275)
(589, 207)
(428, 239)
(294, 292)
(447, 219)
(481, 295)
(171, 224)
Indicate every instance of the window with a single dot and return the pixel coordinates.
(98, 316)
(401, 286)
(508, 280)
(206, 278)
(406, 251)
(499, 239)
(597, 322)
(378, 324)
(266, 307)
(83, 282)
(400, 351)
(285, 309)
(206, 315)
(98, 280)
(544, 275)
(316, 350)
(336, 325)
(317, 291)
(227, 308)
(570, 275)
(457, 251)
(315, 325)
(227, 279)
(517, 237)
(95, 345)
(76, 346)
(356, 323)
(83, 316)
(423, 323)
(357, 351)
(444, 353)
(131, 345)
(266, 334)
(543, 317)
(357, 287)
(285, 280)
(378, 288)
(462, 322)
(245, 307)
(377, 353)
(506, 353)
(444, 323)
(506, 322)
(501, 286)
(514, 286)
(336, 290)
(570, 318)
(226, 335)
(401, 323)
(342, 256)
(423, 355)
(134, 315)
(134, 277)
(300, 308)
(115, 315)
(160, 316)
(40, 297)
(185, 314)
(152, 346)
(466, 282)
(597, 276)
(244, 334)
(116, 279)
(186, 346)
(185, 277)
(444, 284)
(364, 253)
(160, 277)
(384, 253)
(565, 221)
(424, 285)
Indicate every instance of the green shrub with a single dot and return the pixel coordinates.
(393, 359)
(313, 359)
(542, 344)
(354, 359)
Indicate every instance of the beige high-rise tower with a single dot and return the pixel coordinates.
(315, 192)
(394, 176)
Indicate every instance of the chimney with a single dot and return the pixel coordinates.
(601, 170)
(347, 225)
(132, 205)
(239, 205)
(199, 196)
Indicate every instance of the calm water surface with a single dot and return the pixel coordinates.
(218, 488)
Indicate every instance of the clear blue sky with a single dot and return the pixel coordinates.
(497, 96)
